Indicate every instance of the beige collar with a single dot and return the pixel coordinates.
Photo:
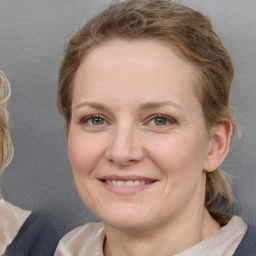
(89, 239)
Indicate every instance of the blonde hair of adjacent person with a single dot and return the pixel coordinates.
(6, 149)
(37, 236)
(189, 33)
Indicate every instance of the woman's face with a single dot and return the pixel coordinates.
(137, 142)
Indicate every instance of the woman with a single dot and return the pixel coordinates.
(22, 233)
(144, 88)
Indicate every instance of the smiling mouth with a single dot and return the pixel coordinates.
(127, 183)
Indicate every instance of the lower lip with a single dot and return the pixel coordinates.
(126, 190)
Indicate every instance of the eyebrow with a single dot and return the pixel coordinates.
(92, 105)
(152, 105)
(142, 107)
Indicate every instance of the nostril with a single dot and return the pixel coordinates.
(124, 149)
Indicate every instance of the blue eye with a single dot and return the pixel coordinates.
(93, 120)
(162, 120)
(97, 120)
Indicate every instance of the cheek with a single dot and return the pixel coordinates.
(168, 151)
(178, 155)
(83, 153)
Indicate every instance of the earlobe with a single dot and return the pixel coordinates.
(219, 146)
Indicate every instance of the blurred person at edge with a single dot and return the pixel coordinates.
(22, 232)
(144, 88)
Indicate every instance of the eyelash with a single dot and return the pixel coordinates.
(86, 119)
(169, 120)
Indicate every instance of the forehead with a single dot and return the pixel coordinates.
(129, 65)
(132, 49)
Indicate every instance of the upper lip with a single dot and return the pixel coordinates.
(126, 178)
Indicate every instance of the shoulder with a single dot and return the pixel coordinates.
(11, 220)
(86, 238)
(89, 230)
(247, 247)
(36, 237)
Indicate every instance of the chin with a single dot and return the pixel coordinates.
(127, 218)
(127, 223)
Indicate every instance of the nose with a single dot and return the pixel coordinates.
(125, 148)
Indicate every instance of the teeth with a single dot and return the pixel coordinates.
(128, 183)
(120, 183)
(136, 183)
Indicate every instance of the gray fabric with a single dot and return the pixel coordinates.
(32, 39)
(35, 238)
(248, 245)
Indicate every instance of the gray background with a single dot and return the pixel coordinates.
(33, 34)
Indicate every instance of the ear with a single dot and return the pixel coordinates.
(219, 145)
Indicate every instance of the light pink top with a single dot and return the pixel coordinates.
(88, 240)
(11, 219)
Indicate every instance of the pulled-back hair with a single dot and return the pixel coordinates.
(6, 149)
(190, 33)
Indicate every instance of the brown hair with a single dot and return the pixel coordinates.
(190, 33)
(6, 150)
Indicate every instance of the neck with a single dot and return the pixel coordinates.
(167, 239)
